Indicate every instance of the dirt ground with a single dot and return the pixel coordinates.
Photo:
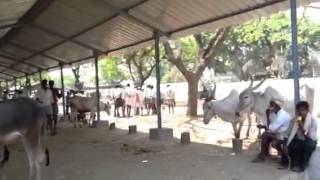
(100, 154)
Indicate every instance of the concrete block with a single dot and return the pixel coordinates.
(112, 126)
(237, 145)
(161, 133)
(132, 129)
(94, 124)
(107, 124)
(185, 138)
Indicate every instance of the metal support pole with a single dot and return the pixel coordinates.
(294, 51)
(7, 85)
(26, 86)
(15, 84)
(62, 90)
(40, 75)
(157, 57)
(97, 85)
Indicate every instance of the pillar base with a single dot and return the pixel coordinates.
(161, 133)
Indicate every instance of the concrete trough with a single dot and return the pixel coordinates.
(161, 133)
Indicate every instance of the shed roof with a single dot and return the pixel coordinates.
(43, 34)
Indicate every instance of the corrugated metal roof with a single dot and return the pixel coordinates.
(55, 32)
(11, 11)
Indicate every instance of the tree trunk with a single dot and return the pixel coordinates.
(193, 82)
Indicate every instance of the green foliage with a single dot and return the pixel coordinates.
(67, 79)
(110, 71)
(189, 51)
(260, 40)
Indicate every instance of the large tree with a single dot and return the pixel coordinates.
(260, 42)
(192, 55)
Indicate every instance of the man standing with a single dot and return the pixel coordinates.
(275, 132)
(137, 100)
(55, 109)
(45, 98)
(128, 92)
(303, 137)
(119, 101)
(170, 98)
(67, 102)
(5, 95)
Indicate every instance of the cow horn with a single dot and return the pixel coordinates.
(251, 81)
(258, 85)
(214, 91)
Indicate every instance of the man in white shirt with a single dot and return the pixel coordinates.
(276, 132)
(45, 98)
(128, 97)
(170, 98)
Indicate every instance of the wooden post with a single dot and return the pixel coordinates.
(132, 129)
(185, 138)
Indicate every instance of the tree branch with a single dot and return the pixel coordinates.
(216, 43)
(128, 62)
(177, 61)
(214, 46)
(149, 73)
(199, 40)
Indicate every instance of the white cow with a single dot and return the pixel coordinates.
(79, 104)
(226, 110)
(259, 102)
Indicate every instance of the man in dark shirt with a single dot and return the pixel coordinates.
(68, 102)
(55, 109)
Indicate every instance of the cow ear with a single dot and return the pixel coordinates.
(258, 85)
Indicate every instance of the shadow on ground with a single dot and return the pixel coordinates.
(100, 154)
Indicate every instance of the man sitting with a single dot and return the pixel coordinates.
(303, 137)
(275, 133)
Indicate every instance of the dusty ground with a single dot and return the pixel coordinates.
(99, 154)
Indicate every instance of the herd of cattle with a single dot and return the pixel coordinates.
(125, 103)
(22, 118)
